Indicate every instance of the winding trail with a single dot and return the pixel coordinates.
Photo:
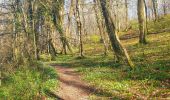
(71, 86)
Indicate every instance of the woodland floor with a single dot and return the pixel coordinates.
(104, 79)
(100, 77)
(71, 87)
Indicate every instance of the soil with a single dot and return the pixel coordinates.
(71, 86)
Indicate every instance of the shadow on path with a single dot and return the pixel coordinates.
(73, 88)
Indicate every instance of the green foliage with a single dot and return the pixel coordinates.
(117, 81)
(95, 38)
(134, 24)
(161, 25)
(28, 83)
(45, 57)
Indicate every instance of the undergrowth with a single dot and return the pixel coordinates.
(150, 79)
(29, 82)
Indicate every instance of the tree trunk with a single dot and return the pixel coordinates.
(164, 7)
(155, 9)
(79, 28)
(126, 8)
(58, 22)
(146, 13)
(32, 24)
(83, 21)
(119, 50)
(69, 16)
(99, 25)
(142, 21)
(51, 49)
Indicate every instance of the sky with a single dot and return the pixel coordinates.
(132, 7)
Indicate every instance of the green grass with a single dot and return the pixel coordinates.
(150, 79)
(160, 25)
(28, 82)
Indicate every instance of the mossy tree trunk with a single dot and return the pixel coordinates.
(99, 25)
(142, 21)
(51, 48)
(79, 28)
(58, 10)
(32, 12)
(119, 50)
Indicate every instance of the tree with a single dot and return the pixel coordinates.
(155, 9)
(32, 9)
(99, 25)
(120, 51)
(79, 28)
(126, 9)
(164, 7)
(58, 12)
(142, 21)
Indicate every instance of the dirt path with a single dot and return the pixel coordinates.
(71, 86)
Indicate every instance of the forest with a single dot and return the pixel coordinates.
(84, 49)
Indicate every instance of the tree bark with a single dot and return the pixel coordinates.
(164, 7)
(58, 23)
(126, 9)
(119, 50)
(33, 30)
(142, 21)
(79, 27)
(155, 9)
(99, 25)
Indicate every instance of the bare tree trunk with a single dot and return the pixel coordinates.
(15, 15)
(35, 34)
(58, 22)
(99, 25)
(155, 9)
(142, 21)
(70, 14)
(119, 50)
(51, 49)
(146, 15)
(83, 21)
(79, 27)
(126, 9)
(164, 7)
